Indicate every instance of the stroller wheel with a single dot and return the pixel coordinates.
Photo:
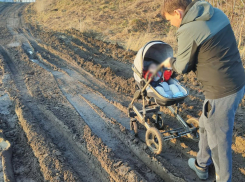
(154, 140)
(159, 123)
(134, 126)
(193, 123)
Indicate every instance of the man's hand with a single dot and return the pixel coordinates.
(166, 63)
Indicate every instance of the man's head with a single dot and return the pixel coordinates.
(173, 10)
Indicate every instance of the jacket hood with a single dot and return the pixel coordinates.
(198, 11)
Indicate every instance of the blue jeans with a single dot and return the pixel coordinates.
(216, 129)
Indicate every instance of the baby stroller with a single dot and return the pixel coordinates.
(158, 52)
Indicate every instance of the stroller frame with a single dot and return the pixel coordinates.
(155, 138)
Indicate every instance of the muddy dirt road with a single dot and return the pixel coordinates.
(63, 99)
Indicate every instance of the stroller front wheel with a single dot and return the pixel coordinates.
(154, 140)
(134, 126)
(160, 122)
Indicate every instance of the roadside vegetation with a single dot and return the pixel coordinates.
(130, 23)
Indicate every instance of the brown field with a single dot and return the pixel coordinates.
(130, 23)
(66, 82)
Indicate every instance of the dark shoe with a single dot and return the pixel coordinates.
(201, 172)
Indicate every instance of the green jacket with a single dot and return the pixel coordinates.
(207, 45)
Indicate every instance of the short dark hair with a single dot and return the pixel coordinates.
(170, 5)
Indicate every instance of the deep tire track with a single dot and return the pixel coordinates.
(39, 142)
(75, 102)
(44, 148)
(63, 66)
(52, 132)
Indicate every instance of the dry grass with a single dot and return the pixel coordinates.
(130, 23)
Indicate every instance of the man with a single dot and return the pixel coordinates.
(207, 45)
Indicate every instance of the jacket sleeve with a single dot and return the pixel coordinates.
(186, 58)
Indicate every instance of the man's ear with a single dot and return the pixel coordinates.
(179, 13)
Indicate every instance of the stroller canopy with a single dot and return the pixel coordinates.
(156, 50)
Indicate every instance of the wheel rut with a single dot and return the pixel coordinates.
(97, 99)
(73, 91)
(41, 125)
(52, 148)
